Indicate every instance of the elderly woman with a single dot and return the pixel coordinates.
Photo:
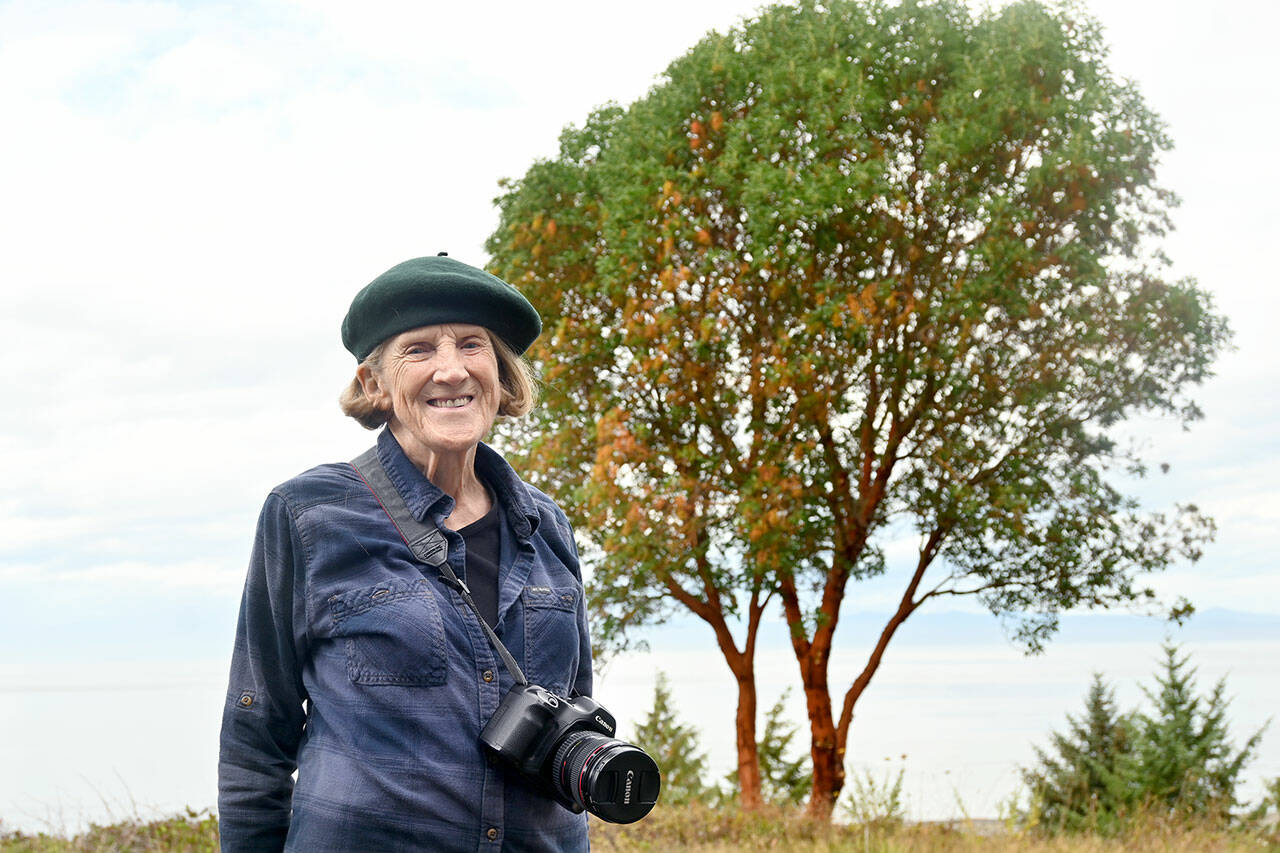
(358, 666)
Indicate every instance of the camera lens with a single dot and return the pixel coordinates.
(615, 781)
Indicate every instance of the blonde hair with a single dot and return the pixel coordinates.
(515, 377)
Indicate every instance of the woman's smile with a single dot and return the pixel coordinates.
(453, 403)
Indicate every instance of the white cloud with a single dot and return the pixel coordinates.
(152, 576)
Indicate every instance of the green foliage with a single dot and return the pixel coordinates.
(1082, 785)
(784, 781)
(674, 746)
(1267, 811)
(1109, 768)
(1184, 759)
(852, 268)
(875, 801)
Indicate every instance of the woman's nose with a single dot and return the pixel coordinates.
(449, 367)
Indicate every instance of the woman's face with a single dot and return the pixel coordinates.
(441, 384)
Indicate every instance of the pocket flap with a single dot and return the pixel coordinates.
(551, 598)
(348, 604)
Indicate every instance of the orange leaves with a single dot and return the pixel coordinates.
(867, 306)
(865, 301)
(703, 236)
(698, 132)
(670, 195)
(695, 134)
(539, 227)
(616, 446)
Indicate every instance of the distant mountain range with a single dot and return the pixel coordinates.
(959, 628)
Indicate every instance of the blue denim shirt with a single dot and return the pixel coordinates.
(356, 666)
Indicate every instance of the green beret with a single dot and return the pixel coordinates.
(429, 291)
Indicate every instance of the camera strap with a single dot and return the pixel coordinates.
(427, 544)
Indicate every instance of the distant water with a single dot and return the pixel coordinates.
(99, 742)
(104, 741)
(959, 719)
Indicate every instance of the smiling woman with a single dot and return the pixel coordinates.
(360, 661)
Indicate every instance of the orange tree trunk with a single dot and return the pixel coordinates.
(750, 797)
(825, 747)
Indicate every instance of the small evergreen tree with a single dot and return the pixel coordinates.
(674, 746)
(1183, 758)
(1082, 783)
(1180, 758)
(784, 781)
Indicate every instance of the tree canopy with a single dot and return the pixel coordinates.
(851, 271)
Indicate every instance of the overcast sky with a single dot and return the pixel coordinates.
(190, 194)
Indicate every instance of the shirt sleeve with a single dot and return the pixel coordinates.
(263, 718)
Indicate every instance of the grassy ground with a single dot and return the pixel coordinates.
(193, 831)
(707, 831)
(723, 831)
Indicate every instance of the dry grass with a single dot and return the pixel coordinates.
(706, 830)
(709, 831)
(192, 832)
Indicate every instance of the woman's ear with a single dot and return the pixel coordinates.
(373, 387)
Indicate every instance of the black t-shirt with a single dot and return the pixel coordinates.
(483, 540)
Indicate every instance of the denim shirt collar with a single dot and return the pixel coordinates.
(427, 502)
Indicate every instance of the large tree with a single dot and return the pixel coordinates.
(850, 272)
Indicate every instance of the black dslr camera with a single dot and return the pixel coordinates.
(567, 745)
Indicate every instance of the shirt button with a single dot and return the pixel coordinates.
(488, 676)
(492, 834)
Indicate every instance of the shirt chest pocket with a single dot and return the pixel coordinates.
(392, 632)
(551, 643)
